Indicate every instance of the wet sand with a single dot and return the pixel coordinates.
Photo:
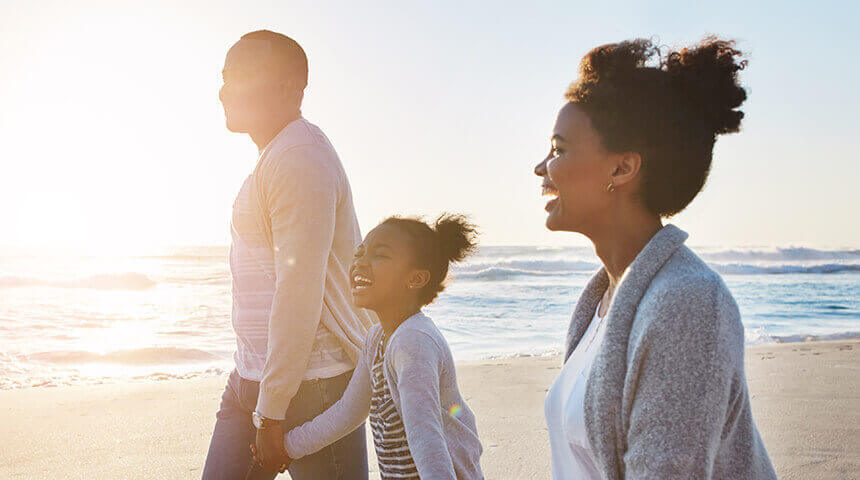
(805, 397)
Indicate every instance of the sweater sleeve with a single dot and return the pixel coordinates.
(417, 364)
(337, 421)
(302, 193)
(687, 363)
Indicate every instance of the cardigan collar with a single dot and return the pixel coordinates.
(633, 283)
(602, 404)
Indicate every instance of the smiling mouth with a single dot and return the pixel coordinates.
(361, 282)
(549, 190)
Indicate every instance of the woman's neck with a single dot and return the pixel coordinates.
(618, 244)
(390, 318)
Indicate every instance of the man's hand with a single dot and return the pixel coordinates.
(269, 449)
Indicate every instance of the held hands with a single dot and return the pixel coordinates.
(269, 450)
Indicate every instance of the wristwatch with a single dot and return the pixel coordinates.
(261, 422)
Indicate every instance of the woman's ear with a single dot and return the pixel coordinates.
(626, 168)
(419, 278)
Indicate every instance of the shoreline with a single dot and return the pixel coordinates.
(805, 398)
(224, 368)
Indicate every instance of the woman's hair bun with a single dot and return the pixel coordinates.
(615, 61)
(666, 105)
(707, 73)
(456, 237)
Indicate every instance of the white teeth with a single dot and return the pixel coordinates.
(550, 191)
(361, 281)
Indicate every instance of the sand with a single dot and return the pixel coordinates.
(805, 397)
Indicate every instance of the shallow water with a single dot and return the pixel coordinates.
(90, 319)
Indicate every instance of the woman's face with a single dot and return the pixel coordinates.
(576, 173)
(382, 269)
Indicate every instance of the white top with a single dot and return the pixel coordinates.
(253, 272)
(565, 418)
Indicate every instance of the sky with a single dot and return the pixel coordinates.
(112, 137)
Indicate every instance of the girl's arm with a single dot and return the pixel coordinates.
(337, 421)
(417, 363)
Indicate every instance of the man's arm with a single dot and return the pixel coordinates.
(302, 195)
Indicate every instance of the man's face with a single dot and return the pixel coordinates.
(251, 91)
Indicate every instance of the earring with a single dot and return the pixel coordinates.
(610, 188)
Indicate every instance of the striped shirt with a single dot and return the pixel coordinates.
(389, 435)
(408, 387)
(252, 266)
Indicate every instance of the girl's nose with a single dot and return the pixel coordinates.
(358, 261)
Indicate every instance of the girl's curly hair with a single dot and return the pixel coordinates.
(451, 239)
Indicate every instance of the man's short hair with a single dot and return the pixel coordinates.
(288, 56)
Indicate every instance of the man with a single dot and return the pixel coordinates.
(293, 233)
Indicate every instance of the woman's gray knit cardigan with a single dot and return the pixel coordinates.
(667, 396)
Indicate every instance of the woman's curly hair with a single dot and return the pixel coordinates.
(669, 112)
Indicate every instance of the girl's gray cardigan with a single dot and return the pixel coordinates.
(419, 369)
(667, 397)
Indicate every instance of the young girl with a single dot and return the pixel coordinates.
(405, 378)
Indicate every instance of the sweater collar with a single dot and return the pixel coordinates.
(416, 317)
(633, 283)
(274, 141)
(603, 402)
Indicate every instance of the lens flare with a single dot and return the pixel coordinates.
(455, 410)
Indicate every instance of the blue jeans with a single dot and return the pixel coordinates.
(229, 455)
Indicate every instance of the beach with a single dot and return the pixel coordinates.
(805, 399)
(256, 184)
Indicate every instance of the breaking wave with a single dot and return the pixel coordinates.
(792, 254)
(499, 273)
(105, 281)
(738, 269)
(505, 270)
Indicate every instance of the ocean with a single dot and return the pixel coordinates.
(79, 320)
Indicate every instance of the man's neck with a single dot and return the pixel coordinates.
(264, 135)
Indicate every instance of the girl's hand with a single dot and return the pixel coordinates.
(283, 468)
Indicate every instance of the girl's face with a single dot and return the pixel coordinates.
(576, 173)
(382, 274)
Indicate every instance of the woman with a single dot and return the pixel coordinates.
(653, 384)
